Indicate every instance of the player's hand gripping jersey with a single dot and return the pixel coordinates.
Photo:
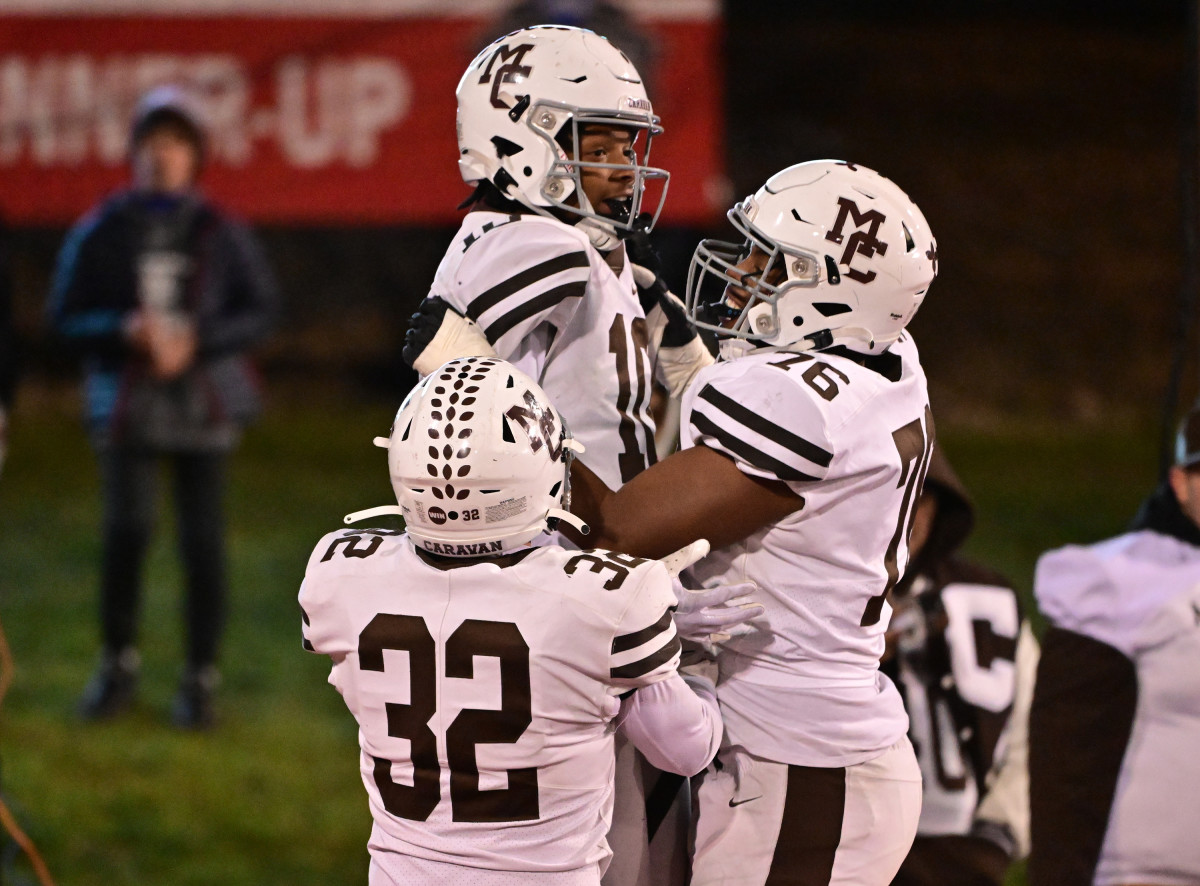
(555, 307)
(486, 695)
(854, 442)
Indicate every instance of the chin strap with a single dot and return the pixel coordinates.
(556, 515)
(382, 510)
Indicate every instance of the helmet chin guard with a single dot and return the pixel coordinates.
(847, 259)
(480, 461)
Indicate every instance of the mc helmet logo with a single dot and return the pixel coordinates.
(510, 71)
(862, 242)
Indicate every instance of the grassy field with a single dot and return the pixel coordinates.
(272, 796)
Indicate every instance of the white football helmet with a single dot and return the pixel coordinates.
(850, 258)
(480, 460)
(522, 103)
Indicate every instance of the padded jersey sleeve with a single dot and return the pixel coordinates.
(324, 625)
(756, 414)
(519, 276)
(645, 646)
(1075, 592)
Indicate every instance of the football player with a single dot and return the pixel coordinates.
(554, 134)
(487, 675)
(804, 453)
(1114, 777)
(964, 661)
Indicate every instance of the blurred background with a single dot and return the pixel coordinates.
(1051, 145)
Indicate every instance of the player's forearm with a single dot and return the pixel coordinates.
(638, 519)
(675, 724)
(695, 493)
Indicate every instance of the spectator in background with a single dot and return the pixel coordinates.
(8, 344)
(162, 294)
(951, 645)
(1115, 723)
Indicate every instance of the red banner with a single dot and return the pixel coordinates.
(321, 120)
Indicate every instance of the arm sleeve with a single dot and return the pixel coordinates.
(1080, 720)
(518, 277)
(251, 307)
(729, 414)
(645, 646)
(70, 312)
(1004, 808)
(675, 723)
(323, 620)
(1076, 592)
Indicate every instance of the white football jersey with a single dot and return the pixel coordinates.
(554, 306)
(981, 621)
(485, 695)
(1140, 594)
(854, 443)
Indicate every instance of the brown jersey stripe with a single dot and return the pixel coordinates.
(756, 457)
(546, 300)
(773, 432)
(489, 298)
(650, 662)
(625, 642)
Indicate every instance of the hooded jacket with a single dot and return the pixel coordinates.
(227, 291)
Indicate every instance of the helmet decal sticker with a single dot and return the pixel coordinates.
(860, 241)
(508, 72)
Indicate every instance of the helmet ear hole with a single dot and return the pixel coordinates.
(407, 428)
(505, 147)
(831, 309)
(507, 433)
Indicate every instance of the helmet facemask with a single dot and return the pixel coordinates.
(715, 271)
(846, 260)
(563, 186)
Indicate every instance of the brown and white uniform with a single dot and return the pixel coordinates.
(818, 779)
(487, 699)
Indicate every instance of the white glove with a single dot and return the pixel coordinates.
(710, 615)
(438, 333)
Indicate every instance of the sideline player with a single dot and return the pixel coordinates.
(487, 675)
(804, 453)
(1114, 777)
(964, 660)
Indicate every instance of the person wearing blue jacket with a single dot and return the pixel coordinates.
(161, 295)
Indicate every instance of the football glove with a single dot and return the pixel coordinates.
(438, 333)
(680, 352)
(709, 615)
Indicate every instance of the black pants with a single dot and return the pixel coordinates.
(130, 489)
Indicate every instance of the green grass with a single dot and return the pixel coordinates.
(273, 795)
